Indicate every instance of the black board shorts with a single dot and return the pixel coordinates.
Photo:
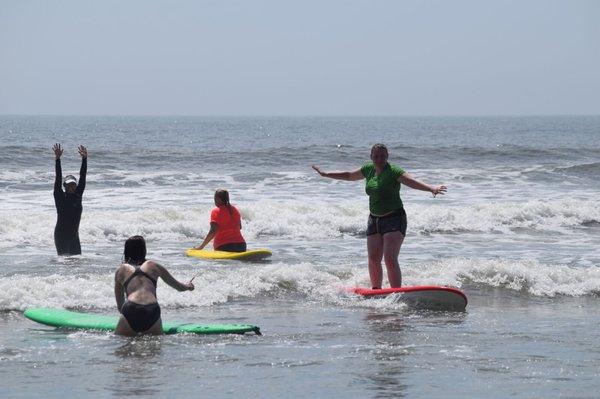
(395, 221)
(233, 247)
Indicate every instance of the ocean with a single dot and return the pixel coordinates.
(518, 232)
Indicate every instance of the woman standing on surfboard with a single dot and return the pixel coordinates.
(68, 204)
(386, 226)
(225, 226)
(135, 290)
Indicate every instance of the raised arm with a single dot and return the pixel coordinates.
(58, 169)
(83, 171)
(172, 281)
(119, 290)
(407, 179)
(211, 234)
(348, 176)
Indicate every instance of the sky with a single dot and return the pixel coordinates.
(254, 57)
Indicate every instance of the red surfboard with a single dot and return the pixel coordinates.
(426, 296)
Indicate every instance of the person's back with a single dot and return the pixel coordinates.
(139, 281)
(229, 220)
(135, 290)
(225, 226)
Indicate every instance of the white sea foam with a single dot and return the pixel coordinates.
(18, 292)
(528, 276)
(315, 283)
(297, 220)
(546, 215)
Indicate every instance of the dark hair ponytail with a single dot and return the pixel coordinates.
(135, 250)
(223, 195)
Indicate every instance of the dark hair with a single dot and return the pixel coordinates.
(223, 195)
(379, 146)
(135, 250)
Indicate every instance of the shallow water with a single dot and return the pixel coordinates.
(518, 232)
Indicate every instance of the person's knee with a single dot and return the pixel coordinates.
(375, 258)
(391, 259)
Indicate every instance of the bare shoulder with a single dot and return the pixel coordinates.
(121, 271)
(150, 264)
(152, 267)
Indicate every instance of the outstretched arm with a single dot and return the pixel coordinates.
(411, 182)
(348, 176)
(83, 171)
(58, 169)
(211, 234)
(172, 281)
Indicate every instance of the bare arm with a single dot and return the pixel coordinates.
(172, 281)
(348, 176)
(211, 234)
(407, 179)
(119, 291)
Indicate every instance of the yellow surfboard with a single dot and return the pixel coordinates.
(255, 254)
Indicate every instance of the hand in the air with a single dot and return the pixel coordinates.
(58, 151)
(82, 151)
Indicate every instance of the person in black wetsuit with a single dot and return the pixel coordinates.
(135, 290)
(68, 205)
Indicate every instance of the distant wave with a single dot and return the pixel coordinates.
(582, 170)
(295, 154)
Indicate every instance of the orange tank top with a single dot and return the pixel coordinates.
(229, 225)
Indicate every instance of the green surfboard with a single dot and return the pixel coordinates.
(88, 321)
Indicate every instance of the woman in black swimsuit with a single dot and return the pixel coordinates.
(135, 290)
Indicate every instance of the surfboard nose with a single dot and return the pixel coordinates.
(428, 297)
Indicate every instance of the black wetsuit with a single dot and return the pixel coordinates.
(68, 208)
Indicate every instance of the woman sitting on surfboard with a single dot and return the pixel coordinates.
(135, 290)
(225, 226)
(386, 226)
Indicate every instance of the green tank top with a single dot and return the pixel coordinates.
(383, 190)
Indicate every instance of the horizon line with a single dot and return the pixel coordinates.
(300, 115)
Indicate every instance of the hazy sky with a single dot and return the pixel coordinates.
(304, 57)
